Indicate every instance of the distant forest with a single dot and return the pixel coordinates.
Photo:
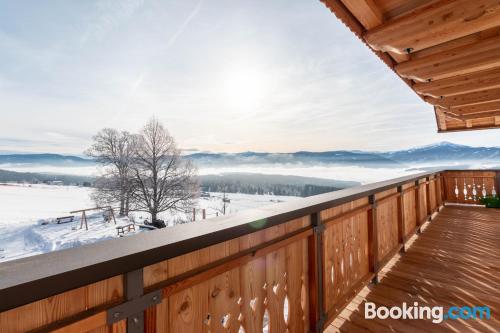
(37, 178)
(276, 189)
(248, 183)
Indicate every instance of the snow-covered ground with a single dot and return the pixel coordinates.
(28, 213)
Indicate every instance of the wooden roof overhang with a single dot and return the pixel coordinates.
(447, 51)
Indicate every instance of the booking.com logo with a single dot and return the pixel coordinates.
(436, 313)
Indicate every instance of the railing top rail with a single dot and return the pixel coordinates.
(29, 279)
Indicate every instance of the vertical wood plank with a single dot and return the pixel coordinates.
(401, 218)
(418, 216)
(315, 252)
(373, 235)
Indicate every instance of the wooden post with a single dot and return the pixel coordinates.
(498, 183)
(428, 197)
(444, 192)
(437, 187)
(317, 315)
(373, 238)
(194, 214)
(401, 219)
(417, 205)
(84, 219)
(112, 214)
(204, 213)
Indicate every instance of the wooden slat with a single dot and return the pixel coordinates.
(434, 24)
(462, 60)
(366, 11)
(460, 42)
(462, 84)
(449, 264)
(476, 108)
(466, 99)
(473, 116)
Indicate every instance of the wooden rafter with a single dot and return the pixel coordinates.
(366, 12)
(476, 108)
(480, 115)
(434, 24)
(462, 84)
(447, 51)
(461, 60)
(466, 99)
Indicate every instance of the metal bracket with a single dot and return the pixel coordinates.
(321, 322)
(319, 228)
(132, 307)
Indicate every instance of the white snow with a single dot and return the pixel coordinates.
(28, 213)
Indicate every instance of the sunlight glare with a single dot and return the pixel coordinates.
(244, 89)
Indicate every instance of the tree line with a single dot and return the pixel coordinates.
(143, 172)
(297, 190)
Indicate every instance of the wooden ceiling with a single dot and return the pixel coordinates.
(447, 51)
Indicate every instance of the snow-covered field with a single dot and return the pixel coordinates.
(28, 212)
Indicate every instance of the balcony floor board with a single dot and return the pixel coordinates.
(454, 262)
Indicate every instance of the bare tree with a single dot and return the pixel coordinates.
(163, 180)
(114, 150)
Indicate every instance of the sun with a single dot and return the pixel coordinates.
(244, 88)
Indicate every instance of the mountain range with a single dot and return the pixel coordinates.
(444, 152)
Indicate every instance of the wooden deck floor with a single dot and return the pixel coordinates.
(454, 262)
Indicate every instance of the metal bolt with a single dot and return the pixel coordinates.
(116, 314)
(155, 298)
(136, 320)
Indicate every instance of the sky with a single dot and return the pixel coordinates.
(221, 75)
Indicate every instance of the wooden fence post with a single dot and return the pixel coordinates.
(401, 219)
(428, 197)
(498, 183)
(317, 314)
(417, 205)
(194, 214)
(444, 193)
(373, 237)
(204, 213)
(437, 189)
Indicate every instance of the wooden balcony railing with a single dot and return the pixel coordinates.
(468, 187)
(290, 266)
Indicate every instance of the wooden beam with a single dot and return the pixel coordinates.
(460, 42)
(476, 108)
(366, 11)
(464, 129)
(497, 120)
(440, 119)
(466, 99)
(492, 114)
(462, 84)
(482, 55)
(434, 24)
(359, 16)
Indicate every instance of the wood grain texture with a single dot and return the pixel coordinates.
(449, 264)
(435, 24)
(47, 311)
